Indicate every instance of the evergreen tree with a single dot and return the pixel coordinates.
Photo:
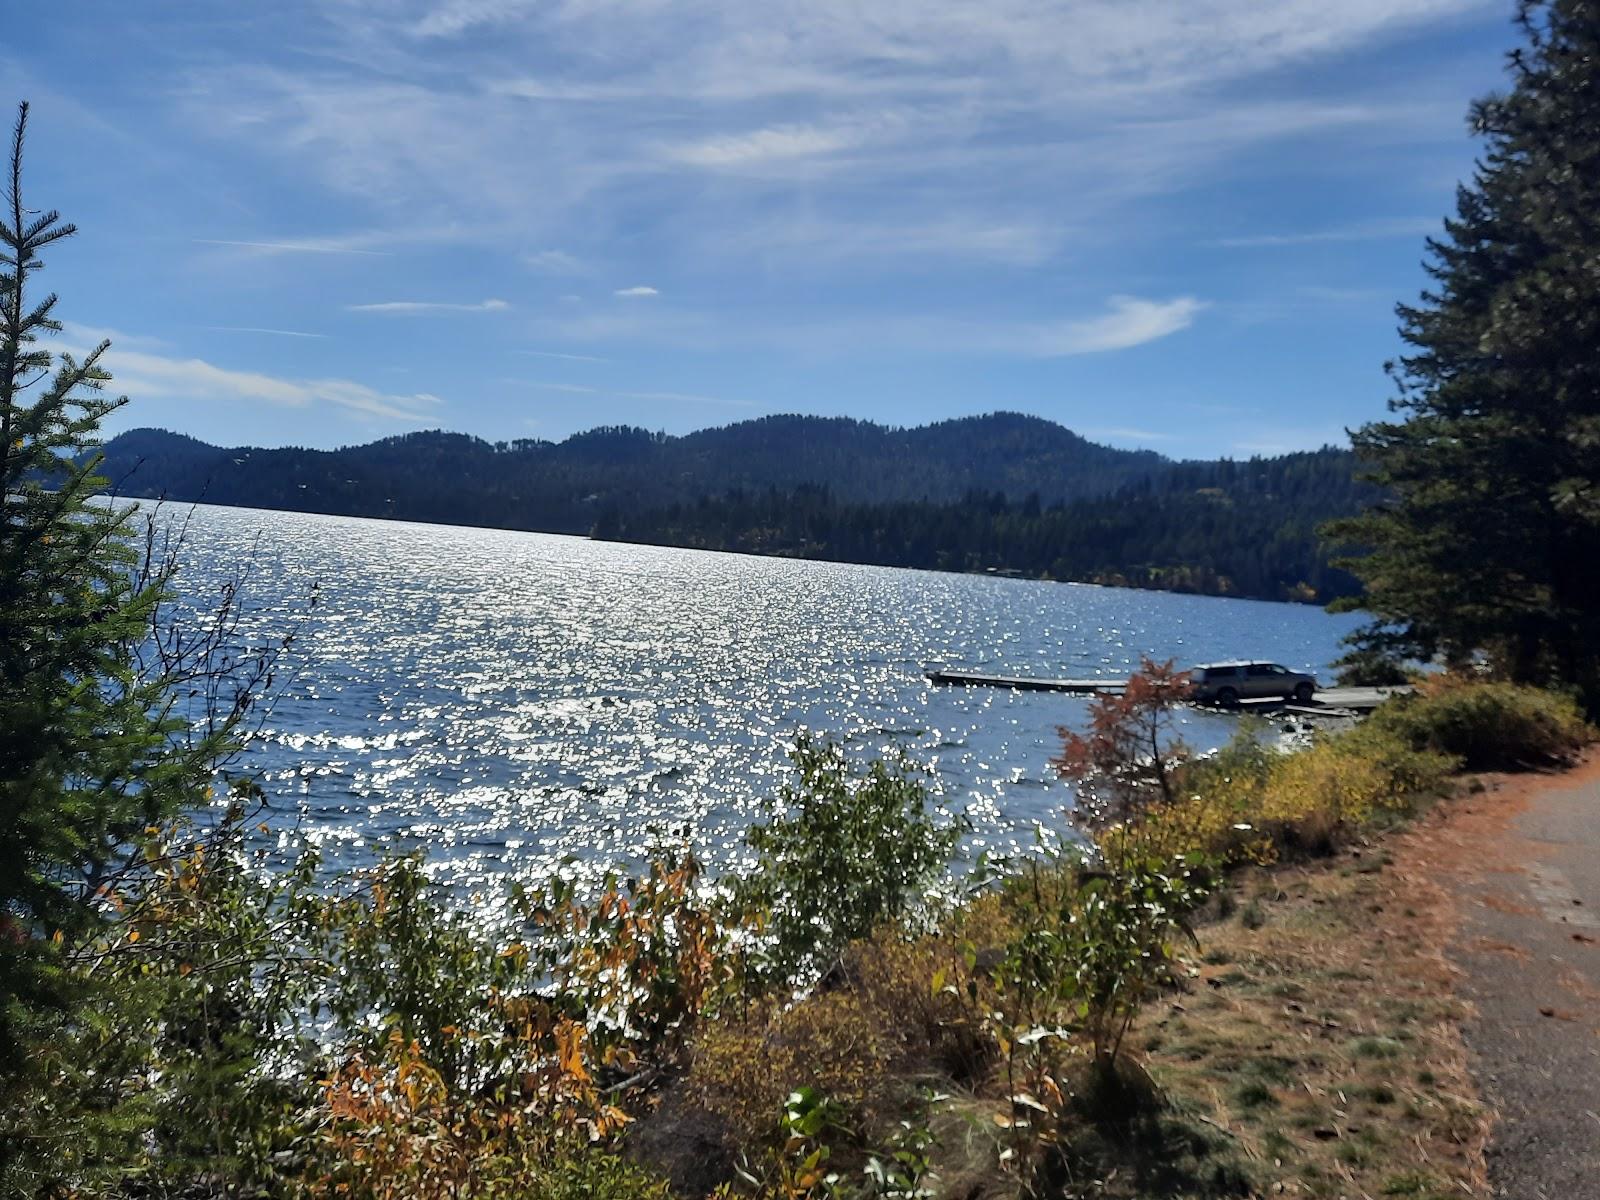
(1490, 540)
(93, 748)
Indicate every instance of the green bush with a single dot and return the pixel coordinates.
(1091, 944)
(844, 854)
(1488, 726)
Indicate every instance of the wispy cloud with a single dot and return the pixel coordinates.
(1365, 231)
(818, 242)
(411, 307)
(824, 179)
(764, 146)
(293, 333)
(144, 373)
(1128, 322)
(903, 116)
(305, 246)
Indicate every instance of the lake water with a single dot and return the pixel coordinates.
(505, 699)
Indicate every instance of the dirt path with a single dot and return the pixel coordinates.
(1522, 859)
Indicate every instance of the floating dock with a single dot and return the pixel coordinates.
(1329, 702)
(1024, 683)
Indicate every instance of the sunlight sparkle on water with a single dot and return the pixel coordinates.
(503, 700)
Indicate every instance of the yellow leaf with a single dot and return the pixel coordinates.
(133, 935)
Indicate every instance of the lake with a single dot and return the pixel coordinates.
(503, 700)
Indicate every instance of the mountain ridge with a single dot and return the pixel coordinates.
(1004, 491)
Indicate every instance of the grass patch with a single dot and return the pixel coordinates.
(1303, 1060)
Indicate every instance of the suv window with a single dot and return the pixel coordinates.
(1256, 670)
(1215, 673)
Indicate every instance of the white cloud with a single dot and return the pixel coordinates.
(1129, 322)
(731, 47)
(636, 293)
(687, 122)
(144, 373)
(457, 16)
(412, 307)
(762, 146)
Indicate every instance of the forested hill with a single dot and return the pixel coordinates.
(1002, 492)
(1223, 528)
(563, 484)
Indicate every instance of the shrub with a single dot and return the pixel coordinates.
(1341, 782)
(831, 1042)
(1217, 812)
(843, 854)
(1091, 944)
(920, 988)
(393, 1128)
(1487, 725)
(638, 961)
(1250, 803)
(1127, 764)
(895, 1008)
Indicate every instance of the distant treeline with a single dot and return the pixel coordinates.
(1002, 492)
(1244, 529)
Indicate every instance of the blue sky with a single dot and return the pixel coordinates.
(1180, 225)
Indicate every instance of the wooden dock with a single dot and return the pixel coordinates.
(1329, 702)
(1028, 683)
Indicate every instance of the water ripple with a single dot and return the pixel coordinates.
(503, 700)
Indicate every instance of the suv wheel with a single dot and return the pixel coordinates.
(1227, 697)
(1303, 692)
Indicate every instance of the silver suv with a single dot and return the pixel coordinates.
(1228, 683)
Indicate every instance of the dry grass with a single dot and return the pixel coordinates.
(1320, 1032)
